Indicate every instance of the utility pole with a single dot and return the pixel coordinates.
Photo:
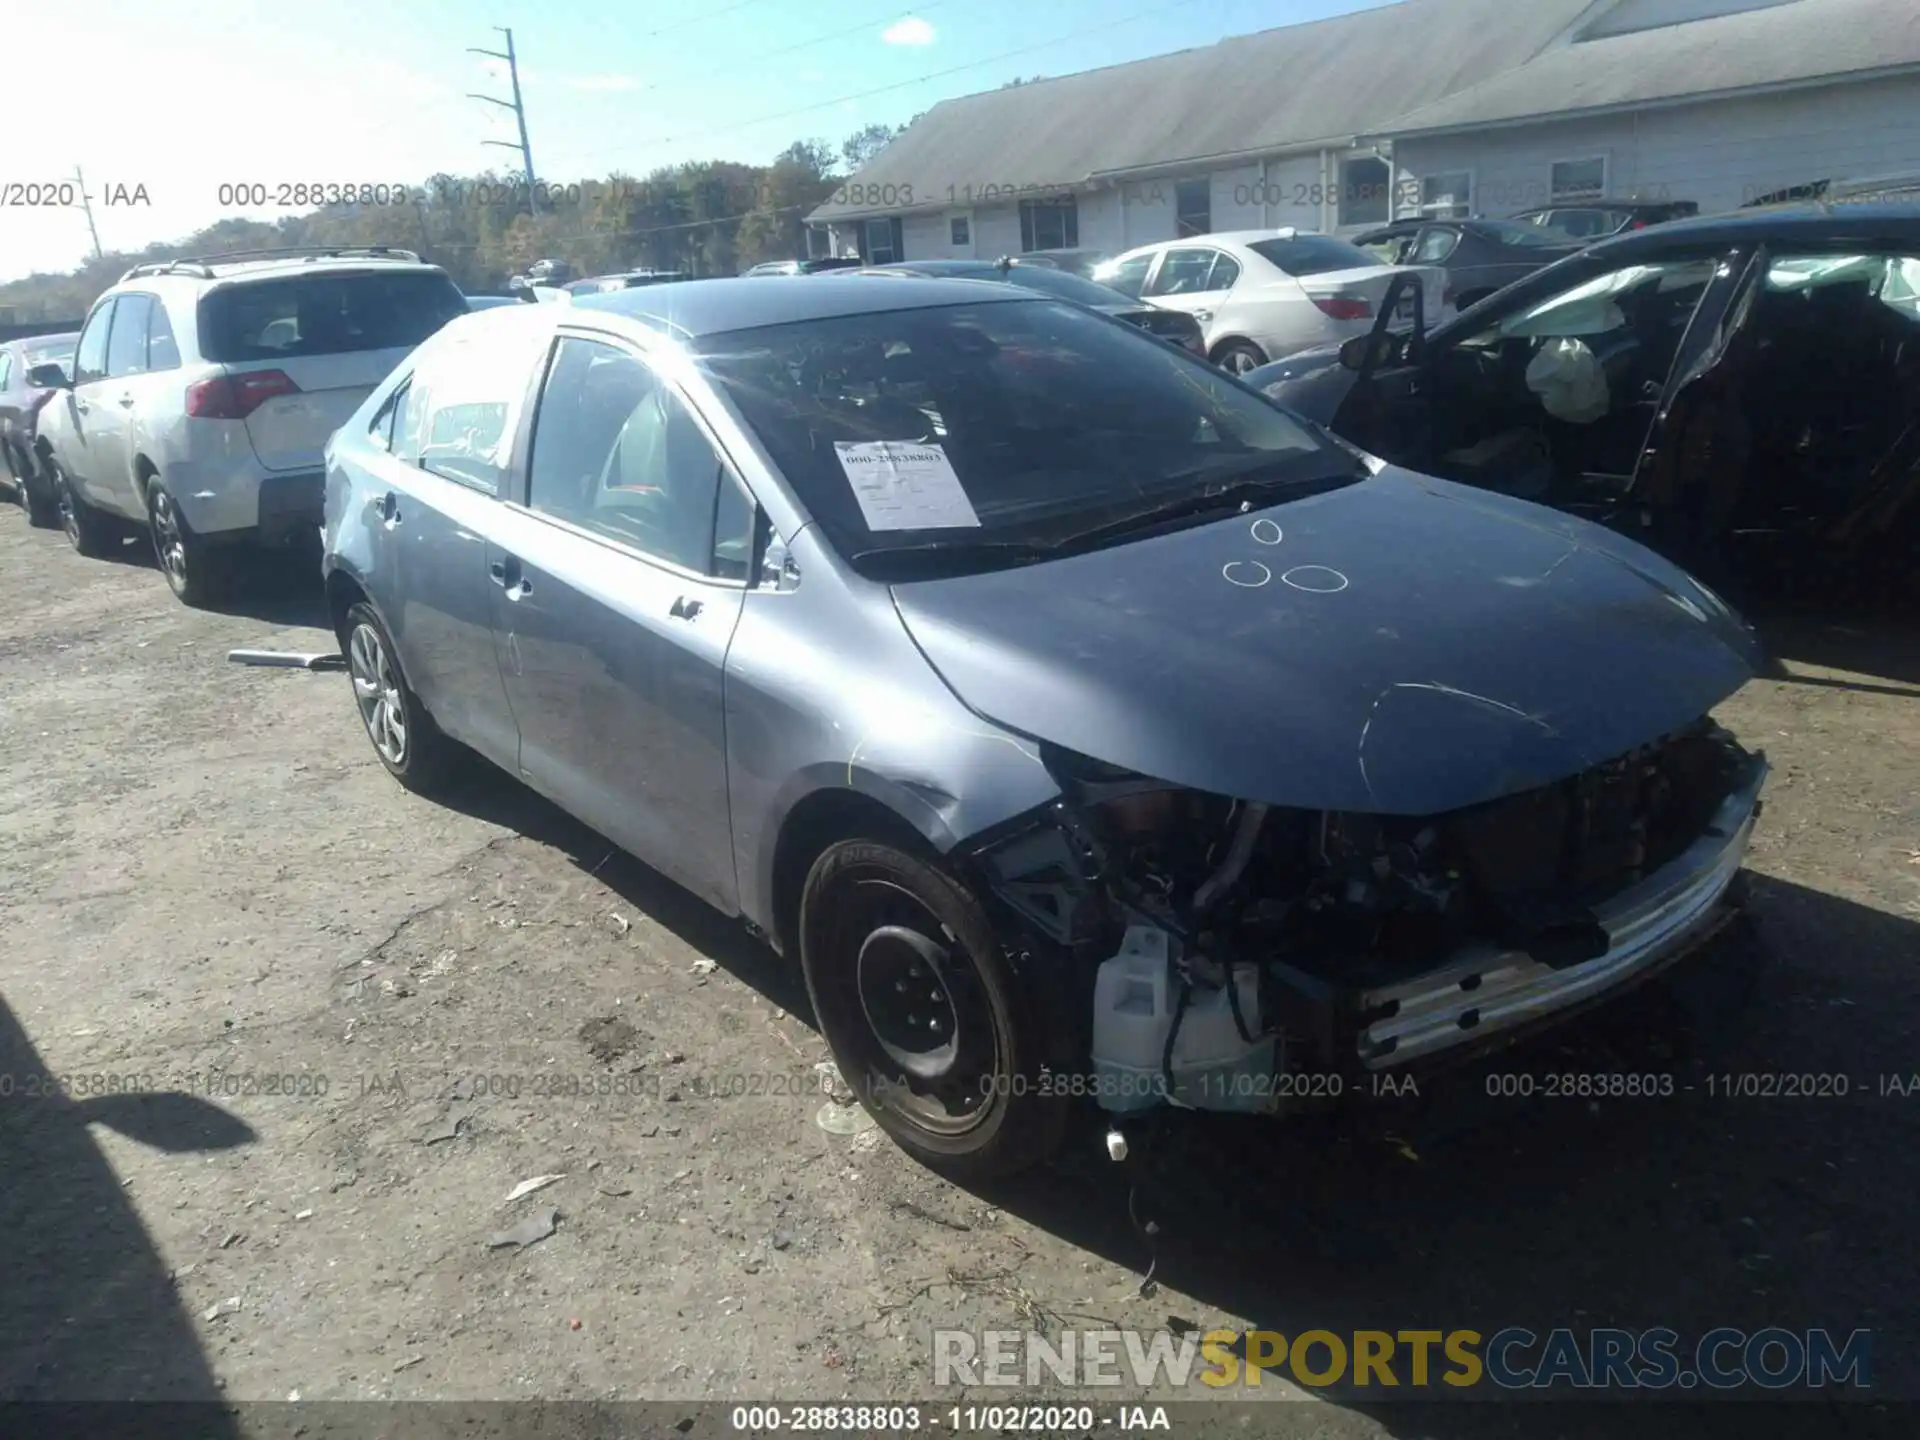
(519, 111)
(86, 203)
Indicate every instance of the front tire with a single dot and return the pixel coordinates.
(945, 1045)
(91, 532)
(196, 572)
(404, 736)
(1237, 357)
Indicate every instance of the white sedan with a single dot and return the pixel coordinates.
(1262, 295)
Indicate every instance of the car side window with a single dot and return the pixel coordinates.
(163, 351)
(1129, 276)
(390, 420)
(127, 340)
(90, 355)
(618, 452)
(6, 368)
(1225, 271)
(1432, 246)
(462, 411)
(1182, 272)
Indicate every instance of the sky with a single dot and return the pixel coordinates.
(160, 103)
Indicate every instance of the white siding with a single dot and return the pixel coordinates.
(1720, 154)
(925, 237)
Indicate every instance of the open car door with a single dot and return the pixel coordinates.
(1387, 412)
(1691, 466)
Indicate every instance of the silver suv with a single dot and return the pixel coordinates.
(204, 391)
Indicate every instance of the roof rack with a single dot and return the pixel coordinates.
(201, 266)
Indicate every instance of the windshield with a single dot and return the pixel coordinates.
(1312, 255)
(1022, 423)
(52, 352)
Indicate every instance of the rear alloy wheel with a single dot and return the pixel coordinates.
(927, 1020)
(404, 736)
(195, 571)
(89, 531)
(1237, 357)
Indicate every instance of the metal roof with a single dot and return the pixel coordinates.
(1789, 44)
(1288, 88)
(710, 307)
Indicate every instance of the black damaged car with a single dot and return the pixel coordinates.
(1742, 391)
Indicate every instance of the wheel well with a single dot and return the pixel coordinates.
(144, 474)
(822, 819)
(343, 593)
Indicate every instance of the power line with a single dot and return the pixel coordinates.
(894, 14)
(933, 75)
(700, 19)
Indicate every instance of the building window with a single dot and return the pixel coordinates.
(1366, 192)
(1579, 179)
(819, 241)
(1049, 224)
(1193, 208)
(959, 231)
(1447, 196)
(881, 243)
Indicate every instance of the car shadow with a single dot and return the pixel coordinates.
(88, 1310)
(1882, 643)
(1458, 1209)
(488, 793)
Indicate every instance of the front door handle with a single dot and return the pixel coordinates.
(389, 507)
(126, 402)
(684, 608)
(509, 577)
(1203, 315)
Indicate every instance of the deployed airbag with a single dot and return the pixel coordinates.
(1570, 381)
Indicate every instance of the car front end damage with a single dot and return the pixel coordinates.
(1374, 943)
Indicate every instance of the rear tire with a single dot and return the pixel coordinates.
(403, 734)
(944, 1044)
(36, 495)
(1237, 357)
(196, 572)
(91, 532)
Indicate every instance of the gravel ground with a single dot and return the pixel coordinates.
(357, 1020)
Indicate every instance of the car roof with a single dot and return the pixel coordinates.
(712, 307)
(1804, 223)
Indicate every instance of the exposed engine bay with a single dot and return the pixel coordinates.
(1314, 907)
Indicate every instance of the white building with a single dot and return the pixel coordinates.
(1455, 107)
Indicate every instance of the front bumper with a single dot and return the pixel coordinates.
(1484, 992)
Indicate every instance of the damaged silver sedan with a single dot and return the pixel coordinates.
(1088, 728)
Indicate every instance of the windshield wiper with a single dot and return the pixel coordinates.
(1243, 494)
(958, 552)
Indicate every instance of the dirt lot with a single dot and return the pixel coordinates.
(206, 880)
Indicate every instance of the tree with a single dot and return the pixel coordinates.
(865, 143)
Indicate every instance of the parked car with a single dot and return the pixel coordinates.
(1079, 260)
(969, 645)
(1482, 256)
(818, 265)
(1171, 325)
(1388, 243)
(1600, 219)
(1742, 390)
(624, 280)
(20, 404)
(1263, 294)
(489, 302)
(204, 390)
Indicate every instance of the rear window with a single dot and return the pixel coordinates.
(1063, 285)
(1312, 255)
(58, 352)
(327, 314)
(1535, 236)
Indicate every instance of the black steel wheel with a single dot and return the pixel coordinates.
(942, 1041)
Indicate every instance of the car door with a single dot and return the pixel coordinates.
(10, 406)
(618, 581)
(140, 350)
(86, 401)
(437, 501)
(1128, 276)
(1194, 279)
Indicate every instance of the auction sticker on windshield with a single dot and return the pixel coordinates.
(905, 485)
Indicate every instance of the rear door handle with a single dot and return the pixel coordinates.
(684, 608)
(509, 577)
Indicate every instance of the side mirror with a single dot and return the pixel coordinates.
(48, 377)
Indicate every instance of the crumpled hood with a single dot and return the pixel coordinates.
(1404, 646)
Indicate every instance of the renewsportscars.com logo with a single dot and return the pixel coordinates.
(1432, 1361)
